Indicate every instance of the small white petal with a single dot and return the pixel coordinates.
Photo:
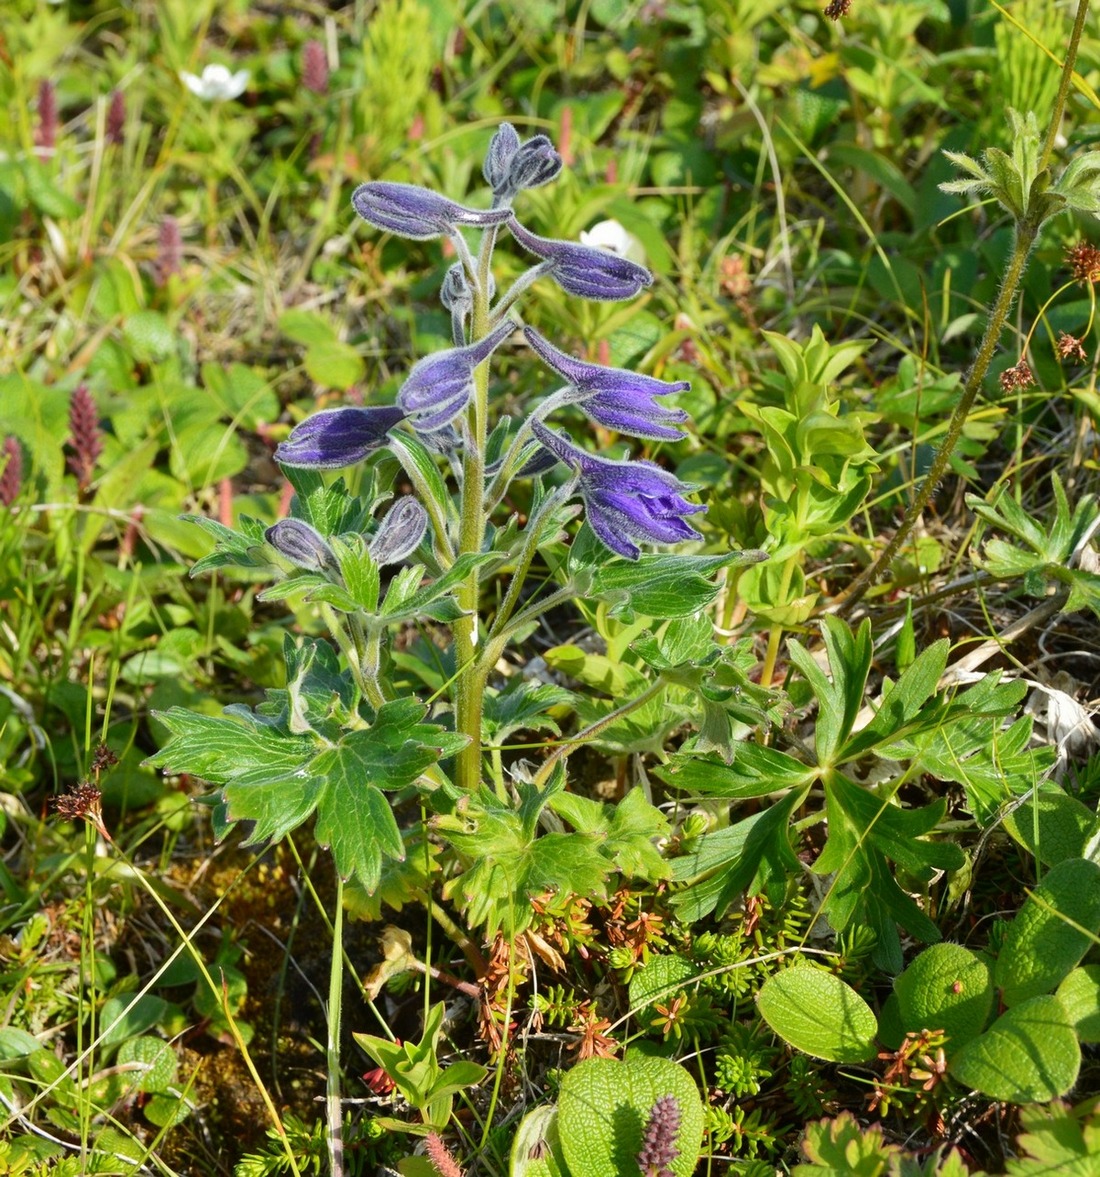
(193, 83)
(613, 238)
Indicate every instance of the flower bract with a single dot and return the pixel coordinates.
(615, 397)
(338, 437)
(626, 503)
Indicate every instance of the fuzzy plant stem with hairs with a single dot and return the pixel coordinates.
(1027, 230)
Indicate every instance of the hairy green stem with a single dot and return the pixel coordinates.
(468, 696)
(594, 729)
(333, 1111)
(1027, 230)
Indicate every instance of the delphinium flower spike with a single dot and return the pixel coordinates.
(625, 501)
(334, 438)
(616, 398)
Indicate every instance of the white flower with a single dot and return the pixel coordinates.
(217, 84)
(612, 237)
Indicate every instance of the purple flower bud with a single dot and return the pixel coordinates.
(418, 213)
(512, 166)
(534, 164)
(301, 545)
(455, 293)
(502, 148)
(11, 470)
(337, 437)
(439, 386)
(584, 271)
(614, 397)
(400, 532)
(625, 501)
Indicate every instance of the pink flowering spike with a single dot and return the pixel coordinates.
(86, 438)
(315, 67)
(169, 251)
(116, 118)
(301, 545)
(45, 135)
(625, 501)
(583, 270)
(334, 438)
(615, 397)
(659, 1148)
(439, 386)
(11, 470)
(418, 213)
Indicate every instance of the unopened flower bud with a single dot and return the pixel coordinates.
(534, 164)
(301, 545)
(334, 438)
(502, 148)
(400, 532)
(418, 213)
(455, 293)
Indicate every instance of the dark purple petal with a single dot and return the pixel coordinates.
(439, 386)
(625, 501)
(419, 213)
(338, 437)
(535, 163)
(615, 397)
(584, 271)
(502, 147)
(301, 545)
(400, 532)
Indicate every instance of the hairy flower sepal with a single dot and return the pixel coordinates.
(582, 270)
(334, 438)
(616, 398)
(626, 503)
(408, 210)
(301, 545)
(439, 386)
(511, 166)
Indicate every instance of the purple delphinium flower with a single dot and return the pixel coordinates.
(439, 386)
(337, 437)
(302, 545)
(659, 1148)
(418, 213)
(615, 397)
(584, 271)
(625, 501)
(512, 166)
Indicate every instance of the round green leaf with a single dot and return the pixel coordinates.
(333, 364)
(154, 1062)
(128, 1015)
(947, 988)
(1080, 994)
(1051, 932)
(1030, 1054)
(605, 1105)
(148, 336)
(819, 1014)
(166, 1111)
(659, 980)
(1063, 824)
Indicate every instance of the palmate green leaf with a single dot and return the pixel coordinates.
(1057, 1141)
(276, 778)
(523, 705)
(840, 697)
(508, 861)
(756, 771)
(862, 833)
(244, 548)
(626, 830)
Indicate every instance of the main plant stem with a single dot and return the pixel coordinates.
(469, 684)
(334, 1112)
(1027, 229)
